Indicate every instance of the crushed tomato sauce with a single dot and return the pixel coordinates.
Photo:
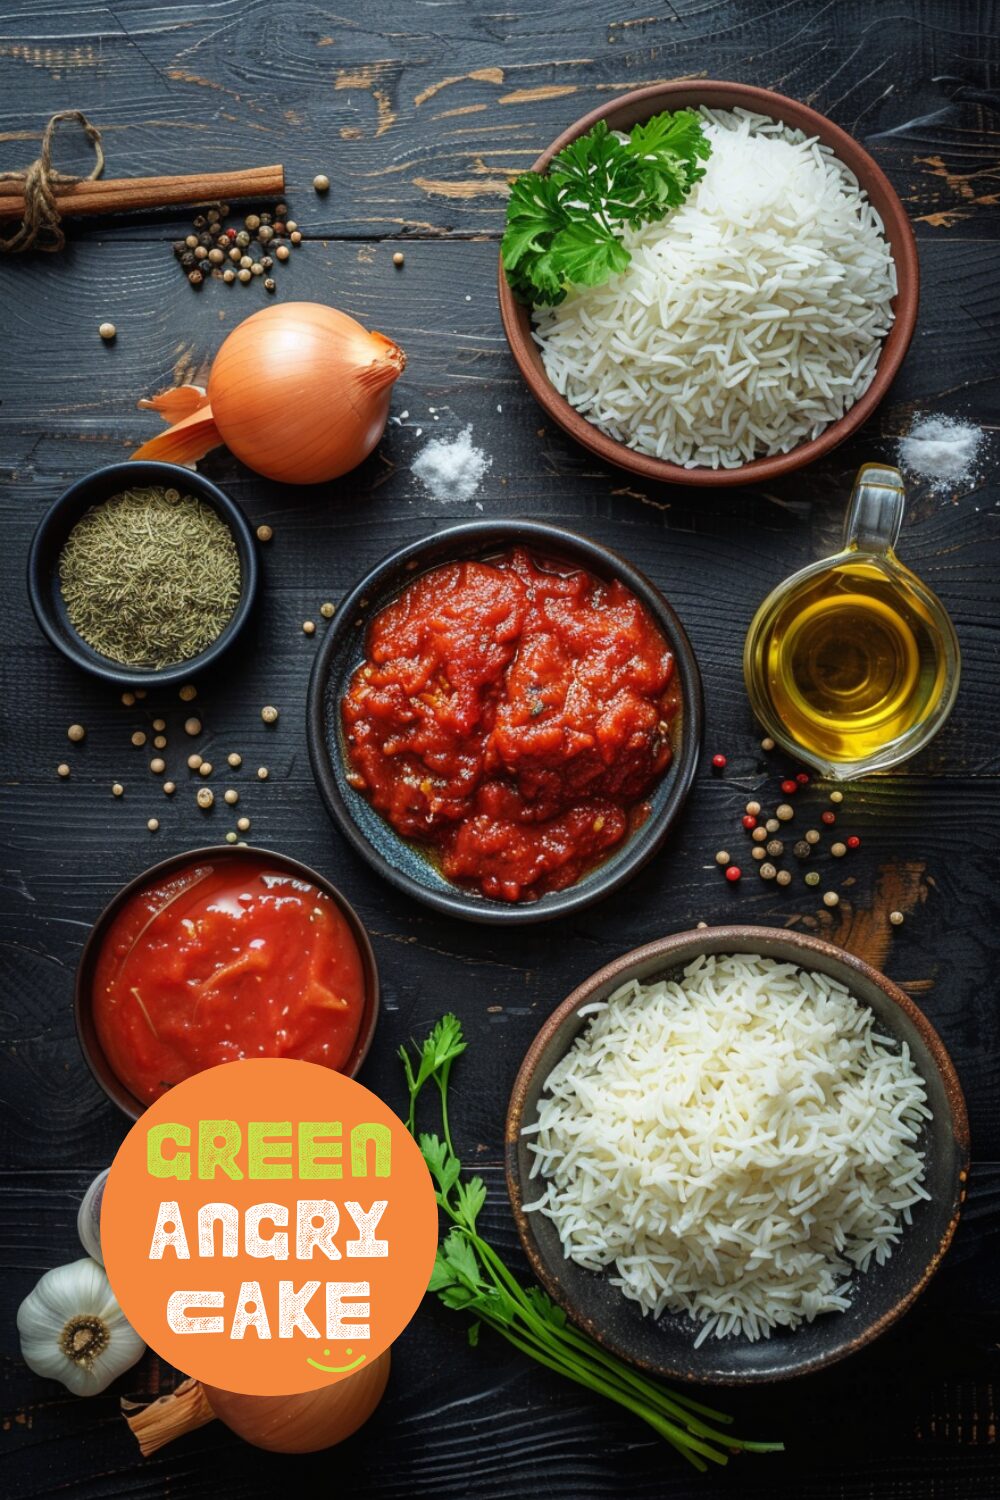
(221, 962)
(512, 714)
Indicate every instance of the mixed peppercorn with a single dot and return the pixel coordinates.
(767, 849)
(231, 255)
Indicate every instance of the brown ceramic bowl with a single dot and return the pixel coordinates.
(666, 1346)
(628, 110)
(86, 1029)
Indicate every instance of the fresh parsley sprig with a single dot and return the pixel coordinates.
(563, 226)
(469, 1276)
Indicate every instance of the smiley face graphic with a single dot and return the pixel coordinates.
(337, 1369)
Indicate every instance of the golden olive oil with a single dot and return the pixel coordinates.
(853, 658)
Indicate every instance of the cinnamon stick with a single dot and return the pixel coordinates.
(120, 194)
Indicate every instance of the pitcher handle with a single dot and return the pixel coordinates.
(875, 513)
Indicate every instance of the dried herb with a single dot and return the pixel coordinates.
(150, 577)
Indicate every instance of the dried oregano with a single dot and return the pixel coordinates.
(150, 577)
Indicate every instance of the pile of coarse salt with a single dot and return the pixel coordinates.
(942, 451)
(451, 470)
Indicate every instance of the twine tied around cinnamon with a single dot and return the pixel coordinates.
(41, 228)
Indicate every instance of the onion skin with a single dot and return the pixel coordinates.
(186, 441)
(300, 392)
(307, 1422)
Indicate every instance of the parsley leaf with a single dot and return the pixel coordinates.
(470, 1277)
(564, 227)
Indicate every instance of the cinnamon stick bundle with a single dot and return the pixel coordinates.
(121, 194)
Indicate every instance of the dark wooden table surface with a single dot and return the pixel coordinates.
(420, 113)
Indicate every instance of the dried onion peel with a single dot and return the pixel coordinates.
(299, 392)
(282, 1424)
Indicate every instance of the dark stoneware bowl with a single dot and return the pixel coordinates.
(628, 110)
(882, 1295)
(397, 859)
(59, 520)
(83, 1006)
(400, 861)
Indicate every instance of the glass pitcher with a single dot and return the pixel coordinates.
(852, 664)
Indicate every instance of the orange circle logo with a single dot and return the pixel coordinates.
(269, 1226)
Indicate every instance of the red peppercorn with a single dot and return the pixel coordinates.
(802, 778)
(789, 788)
(230, 234)
(829, 818)
(718, 762)
(854, 842)
(733, 872)
(749, 821)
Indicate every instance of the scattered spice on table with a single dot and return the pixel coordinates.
(896, 918)
(321, 182)
(76, 733)
(327, 610)
(269, 714)
(150, 577)
(451, 469)
(188, 692)
(108, 332)
(117, 789)
(205, 797)
(62, 769)
(398, 258)
(234, 758)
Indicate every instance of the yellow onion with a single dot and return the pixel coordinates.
(282, 1424)
(299, 392)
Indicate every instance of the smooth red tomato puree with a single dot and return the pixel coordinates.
(512, 714)
(223, 962)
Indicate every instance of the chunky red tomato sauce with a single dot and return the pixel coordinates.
(511, 714)
(222, 962)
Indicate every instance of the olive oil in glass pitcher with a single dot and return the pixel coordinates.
(852, 664)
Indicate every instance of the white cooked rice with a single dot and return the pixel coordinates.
(749, 319)
(735, 1144)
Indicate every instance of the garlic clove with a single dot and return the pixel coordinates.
(72, 1329)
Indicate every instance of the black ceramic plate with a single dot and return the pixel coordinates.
(403, 863)
(880, 1296)
(43, 566)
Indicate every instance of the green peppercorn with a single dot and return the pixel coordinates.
(252, 223)
(243, 239)
(812, 878)
(265, 234)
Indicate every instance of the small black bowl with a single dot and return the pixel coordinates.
(83, 1000)
(401, 861)
(883, 1294)
(53, 529)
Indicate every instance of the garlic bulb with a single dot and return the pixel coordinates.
(73, 1330)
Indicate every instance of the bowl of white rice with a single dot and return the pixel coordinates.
(736, 1154)
(757, 325)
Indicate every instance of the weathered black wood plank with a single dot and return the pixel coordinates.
(419, 113)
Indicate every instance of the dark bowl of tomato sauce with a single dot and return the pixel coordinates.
(220, 954)
(504, 720)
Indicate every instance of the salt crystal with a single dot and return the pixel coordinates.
(452, 470)
(942, 451)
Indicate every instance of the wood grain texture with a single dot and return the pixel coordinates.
(419, 113)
